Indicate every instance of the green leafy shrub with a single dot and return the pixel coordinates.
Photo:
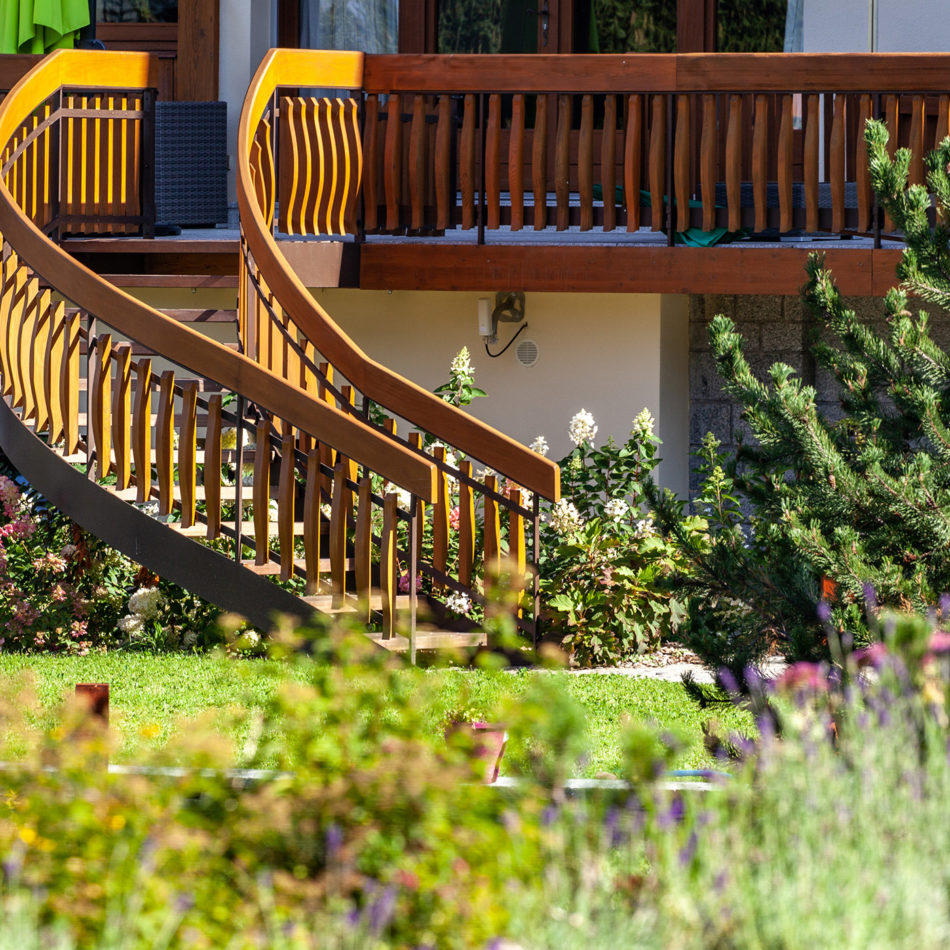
(604, 564)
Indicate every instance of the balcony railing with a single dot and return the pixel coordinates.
(476, 146)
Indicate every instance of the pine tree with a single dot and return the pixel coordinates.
(821, 520)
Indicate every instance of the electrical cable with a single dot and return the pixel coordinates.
(494, 356)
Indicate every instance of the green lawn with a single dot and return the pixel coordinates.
(152, 695)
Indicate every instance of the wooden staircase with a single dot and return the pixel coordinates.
(265, 473)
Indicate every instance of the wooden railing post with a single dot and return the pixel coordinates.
(147, 180)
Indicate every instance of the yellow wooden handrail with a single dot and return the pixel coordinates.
(343, 70)
(144, 324)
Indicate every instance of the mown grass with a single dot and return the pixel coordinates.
(152, 695)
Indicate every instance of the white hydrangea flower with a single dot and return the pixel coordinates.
(582, 427)
(251, 637)
(565, 518)
(326, 510)
(403, 497)
(645, 528)
(462, 364)
(540, 445)
(146, 602)
(131, 624)
(458, 603)
(643, 424)
(484, 473)
(616, 508)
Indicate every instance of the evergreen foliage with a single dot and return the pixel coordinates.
(856, 509)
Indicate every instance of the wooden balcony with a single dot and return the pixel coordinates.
(584, 173)
(556, 172)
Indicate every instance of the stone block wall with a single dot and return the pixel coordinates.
(775, 330)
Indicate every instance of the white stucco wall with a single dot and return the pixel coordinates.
(841, 26)
(612, 354)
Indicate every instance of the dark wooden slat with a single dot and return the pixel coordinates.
(392, 177)
(836, 162)
(417, 162)
(443, 159)
(785, 170)
(608, 163)
(681, 161)
(493, 163)
(562, 165)
(371, 160)
(812, 137)
(585, 163)
(539, 162)
(467, 163)
(516, 163)
(658, 161)
(633, 145)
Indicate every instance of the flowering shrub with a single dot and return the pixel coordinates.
(604, 565)
(63, 590)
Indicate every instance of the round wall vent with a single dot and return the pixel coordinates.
(527, 352)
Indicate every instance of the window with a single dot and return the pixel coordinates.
(137, 11)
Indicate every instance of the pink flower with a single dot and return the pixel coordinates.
(803, 676)
(454, 518)
(874, 655)
(404, 583)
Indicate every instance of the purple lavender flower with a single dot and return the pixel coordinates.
(823, 610)
(688, 852)
(870, 596)
(945, 605)
(549, 815)
(333, 837)
(728, 681)
(381, 911)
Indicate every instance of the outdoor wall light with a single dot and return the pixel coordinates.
(509, 308)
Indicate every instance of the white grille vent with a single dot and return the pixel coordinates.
(527, 352)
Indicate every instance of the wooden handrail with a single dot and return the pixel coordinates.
(153, 329)
(302, 68)
(658, 72)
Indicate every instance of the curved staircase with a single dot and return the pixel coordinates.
(267, 477)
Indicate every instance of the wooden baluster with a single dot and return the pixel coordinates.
(493, 163)
(327, 454)
(69, 383)
(353, 164)
(362, 553)
(681, 159)
(562, 163)
(286, 494)
(942, 129)
(708, 149)
(19, 314)
(338, 536)
(760, 159)
(350, 466)
(101, 400)
(836, 163)
(311, 523)
(467, 163)
(415, 440)
(388, 568)
(491, 541)
(734, 163)
(290, 166)
(417, 162)
(142, 430)
(25, 331)
(165, 441)
(539, 162)
(51, 372)
(371, 160)
(440, 517)
(632, 149)
(14, 281)
(891, 114)
(261, 492)
(122, 414)
(516, 162)
(466, 529)
(812, 138)
(785, 133)
(211, 471)
(608, 163)
(916, 141)
(443, 164)
(392, 168)
(861, 173)
(516, 548)
(658, 162)
(187, 452)
(585, 163)
(39, 343)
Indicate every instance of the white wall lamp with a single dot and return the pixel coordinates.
(508, 308)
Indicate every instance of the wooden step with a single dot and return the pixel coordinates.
(247, 529)
(432, 640)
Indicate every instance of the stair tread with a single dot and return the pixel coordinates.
(431, 640)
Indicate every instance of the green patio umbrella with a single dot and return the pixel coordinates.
(37, 26)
